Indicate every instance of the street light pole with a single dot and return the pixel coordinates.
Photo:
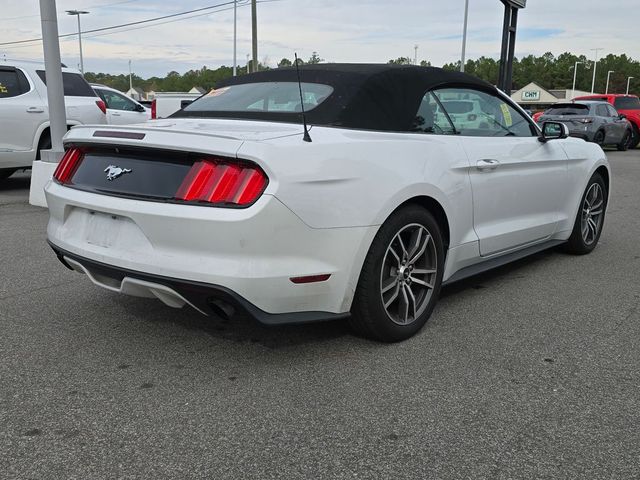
(608, 76)
(130, 78)
(235, 36)
(254, 35)
(42, 170)
(575, 72)
(77, 13)
(595, 66)
(628, 83)
(464, 35)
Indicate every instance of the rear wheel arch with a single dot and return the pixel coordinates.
(44, 140)
(435, 208)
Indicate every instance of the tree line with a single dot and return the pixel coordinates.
(548, 71)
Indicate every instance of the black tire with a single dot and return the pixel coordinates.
(623, 146)
(6, 173)
(635, 138)
(43, 144)
(369, 315)
(577, 243)
(599, 138)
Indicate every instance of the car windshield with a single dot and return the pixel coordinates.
(627, 103)
(272, 97)
(568, 110)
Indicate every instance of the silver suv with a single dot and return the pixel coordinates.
(592, 121)
(24, 111)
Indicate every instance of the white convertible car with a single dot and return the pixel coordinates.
(233, 203)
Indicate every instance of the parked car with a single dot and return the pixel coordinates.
(627, 105)
(24, 111)
(592, 121)
(363, 215)
(167, 103)
(121, 110)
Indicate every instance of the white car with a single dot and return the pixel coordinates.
(24, 111)
(364, 216)
(121, 110)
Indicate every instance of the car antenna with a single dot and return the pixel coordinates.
(306, 137)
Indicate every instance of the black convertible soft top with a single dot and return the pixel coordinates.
(365, 96)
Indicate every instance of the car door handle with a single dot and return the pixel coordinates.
(35, 110)
(487, 164)
(116, 114)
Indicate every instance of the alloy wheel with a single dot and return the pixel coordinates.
(592, 213)
(408, 274)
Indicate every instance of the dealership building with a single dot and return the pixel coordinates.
(534, 97)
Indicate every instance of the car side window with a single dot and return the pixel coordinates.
(601, 111)
(117, 101)
(612, 111)
(481, 114)
(12, 83)
(430, 118)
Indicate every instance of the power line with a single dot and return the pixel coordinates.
(139, 22)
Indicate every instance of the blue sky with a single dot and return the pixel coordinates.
(339, 30)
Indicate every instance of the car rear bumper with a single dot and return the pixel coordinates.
(205, 298)
(249, 255)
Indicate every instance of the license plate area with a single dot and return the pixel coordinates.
(103, 229)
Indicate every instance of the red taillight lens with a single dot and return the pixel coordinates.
(153, 109)
(68, 166)
(222, 182)
(102, 106)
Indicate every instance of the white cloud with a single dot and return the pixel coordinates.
(355, 31)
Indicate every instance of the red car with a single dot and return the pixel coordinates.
(629, 105)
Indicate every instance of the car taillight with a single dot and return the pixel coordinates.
(153, 109)
(472, 117)
(68, 166)
(102, 106)
(218, 181)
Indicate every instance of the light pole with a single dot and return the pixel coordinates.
(628, 82)
(235, 35)
(464, 35)
(77, 13)
(415, 54)
(130, 78)
(595, 66)
(608, 77)
(254, 35)
(575, 72)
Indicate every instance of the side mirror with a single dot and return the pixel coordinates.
(553, 131)
(140, 108)
(622, 116)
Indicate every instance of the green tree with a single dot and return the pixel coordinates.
(400, 61)
(285, 62)
(315, 58)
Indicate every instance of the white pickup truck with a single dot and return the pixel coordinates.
(24, 111)
(166, 103)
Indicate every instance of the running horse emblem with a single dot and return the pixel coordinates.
(114, 172)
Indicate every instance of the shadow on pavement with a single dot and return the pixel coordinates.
(17, 181)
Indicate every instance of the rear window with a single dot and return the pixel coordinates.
(271, 97)
(568, 110)
(627, 103)
(74, 84)
(12, 83)
(458, 107)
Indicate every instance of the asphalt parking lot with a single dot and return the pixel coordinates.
(530, 371)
